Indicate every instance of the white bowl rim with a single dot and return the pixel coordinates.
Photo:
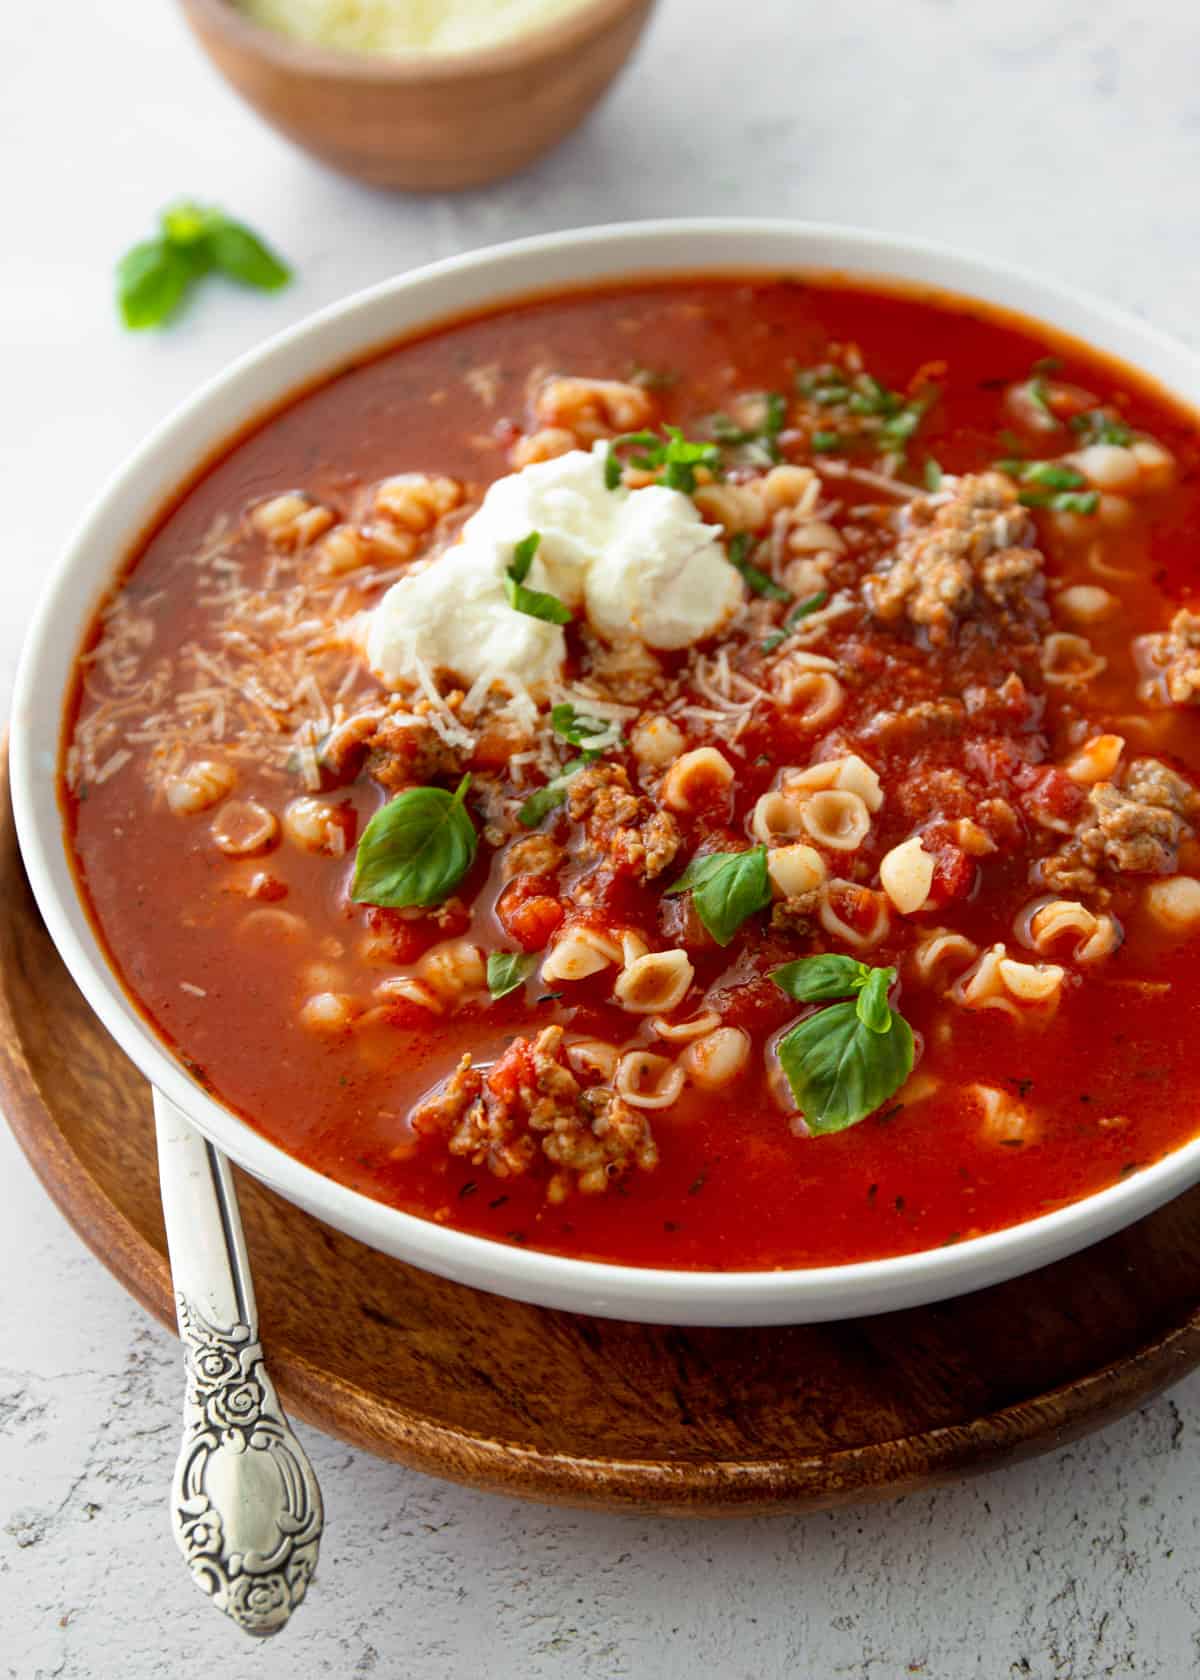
(648, 1294)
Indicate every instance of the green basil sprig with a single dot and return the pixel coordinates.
(506, 970)
(415, 849)
(154, 277)
(846, 1060)
(726, 887)
(535, 603)
(579, 729)
(672, 457)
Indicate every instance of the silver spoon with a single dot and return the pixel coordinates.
(245, 1506)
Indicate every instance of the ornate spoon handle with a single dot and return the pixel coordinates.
(245, 1505)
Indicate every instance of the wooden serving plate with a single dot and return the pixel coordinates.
(585, 1411)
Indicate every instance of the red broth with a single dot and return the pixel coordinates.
(1100, 1086)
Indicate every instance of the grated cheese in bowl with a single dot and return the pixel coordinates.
(399, 26)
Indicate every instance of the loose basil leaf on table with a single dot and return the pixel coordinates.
(415, 849)
(506, 970)
(846, 1060)
(154, 277)
(726, 887)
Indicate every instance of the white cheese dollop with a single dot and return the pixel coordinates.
(641, 564)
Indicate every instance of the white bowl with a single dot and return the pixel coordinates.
(255, 386)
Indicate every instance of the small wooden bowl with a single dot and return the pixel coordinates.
(425, 121)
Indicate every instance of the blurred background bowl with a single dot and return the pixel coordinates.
(425, 121)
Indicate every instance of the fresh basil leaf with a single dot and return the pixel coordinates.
(152, 279)
(822, 979)
(242, 255)
(738, 554)
(550, 797)
(415, 849)
(874, 1011)
(506, 970)
(726, 887)
(194, 239)
(840, 1070)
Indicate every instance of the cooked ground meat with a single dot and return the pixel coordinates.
(1174, 655)
(536, 854)
(404, 754)
(795, 915)
(590, 1136)
(1134, 829)
(623, 828)
(960, 557)
(927, 720)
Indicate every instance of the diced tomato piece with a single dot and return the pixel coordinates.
(514, 1069)
(1051, 797)
(953, 872)
(528, 913)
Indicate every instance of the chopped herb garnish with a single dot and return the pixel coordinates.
(1051, 475)
(845, 1060)
(597, 735)
(1095, 426)
(672, 457)
(933, 475)
(415, 849)
(550, 797)
(758, 445)
(506, 970)
(534, 603)
(726, 887)
(827, 443)
(740, 548)
(193, 240)
(802, 609)
(1062, 501)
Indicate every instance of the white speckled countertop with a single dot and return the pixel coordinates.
(1062, 133)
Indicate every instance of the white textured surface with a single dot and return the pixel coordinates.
(1063, 133)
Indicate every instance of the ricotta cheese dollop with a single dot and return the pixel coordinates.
(641, 565)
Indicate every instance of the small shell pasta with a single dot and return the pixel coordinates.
(940, 951)
(998, 981)
(906, 875)
(453, 969)
(656, 742)
(836, 819)
(1175, 904)
(199, 786)
(696, 779)
(837, 896)
(717, 1059)
(1047, 923)
(795, 870)
(592, 1057)
(645, 1080)
(1067, 658)
(578, 952)
(1097, 760)
(655, 983)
